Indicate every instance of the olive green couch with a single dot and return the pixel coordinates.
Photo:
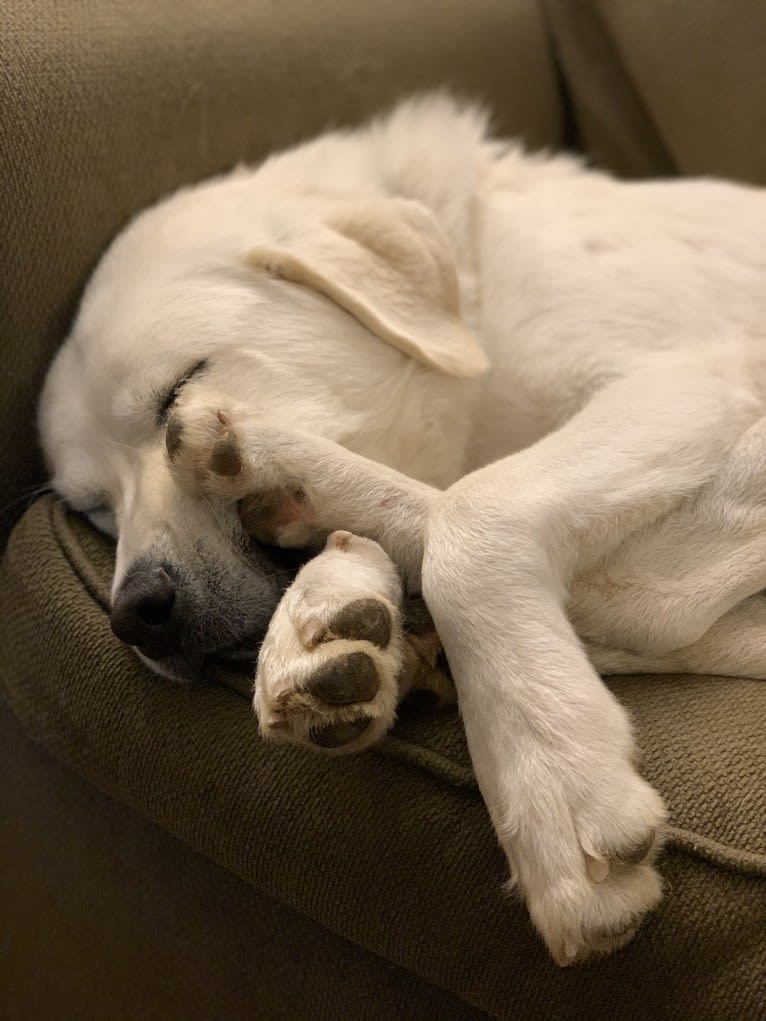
(157, 860)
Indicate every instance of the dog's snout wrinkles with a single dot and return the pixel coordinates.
(142, 614)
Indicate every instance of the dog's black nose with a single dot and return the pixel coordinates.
(142, 613)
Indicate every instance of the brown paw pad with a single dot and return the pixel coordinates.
(335, 735)
(605, 938)
(363, 620)
(263, 513)
(225, 458)
(258, 513)
(632, 854)
(348, 679)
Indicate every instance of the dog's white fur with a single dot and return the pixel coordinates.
(624, 324)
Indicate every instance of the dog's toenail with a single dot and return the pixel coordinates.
(350, 678)
(597, 868)
(225, 459)
(363, 620)
(565, 953)
(335, 735)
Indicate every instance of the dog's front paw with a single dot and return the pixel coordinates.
(587, 874)
(205, 449)
(330, 667)
(218, 449)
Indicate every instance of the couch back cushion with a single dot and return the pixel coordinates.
(671, 87)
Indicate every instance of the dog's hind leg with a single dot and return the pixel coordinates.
(667, 584)
(735, 646)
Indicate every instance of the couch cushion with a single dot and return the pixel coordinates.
(658, 87)
(179, 938)
(392, 849)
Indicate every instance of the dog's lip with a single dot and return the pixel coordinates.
(247, 650)
(177, 668)
(238, 664)
(220, 665)
(234, 668)
(240, 659)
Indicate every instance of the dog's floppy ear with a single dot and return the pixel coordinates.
(387, 263)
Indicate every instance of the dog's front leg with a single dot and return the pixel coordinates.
(341, 650)
(292, 489)
(552, 749)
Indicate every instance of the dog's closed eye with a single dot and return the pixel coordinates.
(170, 396)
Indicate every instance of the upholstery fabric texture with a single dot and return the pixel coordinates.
(157, 859)
(106, 917)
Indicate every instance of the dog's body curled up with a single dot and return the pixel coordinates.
(538, 391)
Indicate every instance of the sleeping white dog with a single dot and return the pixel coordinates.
(530, 391)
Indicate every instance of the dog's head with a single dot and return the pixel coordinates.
(281, 306)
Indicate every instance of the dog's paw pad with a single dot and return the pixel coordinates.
(332, 674)
(367, 620)
(637, 850)
(280, 516)
(205, 450)
(226, 458)
(336, 735)
(343, 681)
